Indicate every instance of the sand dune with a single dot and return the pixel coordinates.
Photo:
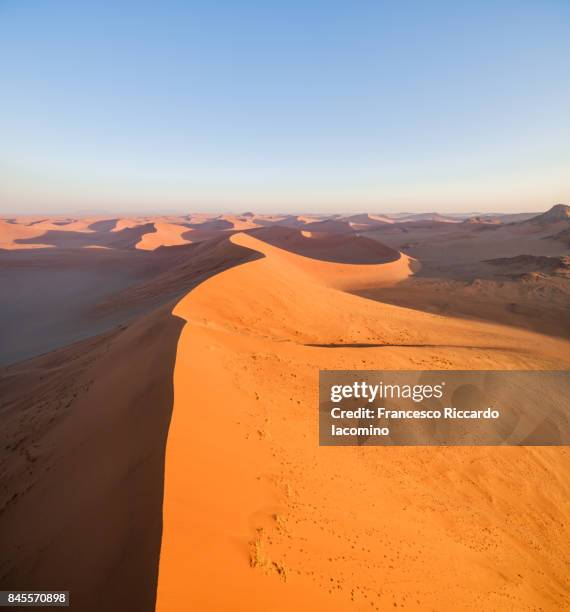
(212, 225)
(284, 524)
(11, 233)
(240, 222)
(88, 291)
(340, 248)
(69, 285)
(228, 335)
(122, 224)
(332, 259)
(433, 216)
(66, 238)
(165, 234)
(176, 271)
(456, 277)
(84, 430)
(365, 221)
(329, 226)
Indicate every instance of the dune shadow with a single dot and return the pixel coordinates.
(476, 302)
(343, 248)
(102, 237)
(84, 438)
(213, 225)
(105, 225)
(399, 345)
(87, 518)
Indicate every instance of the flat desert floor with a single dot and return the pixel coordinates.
(159, 394)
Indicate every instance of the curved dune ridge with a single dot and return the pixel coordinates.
(367, 222)
(327, 246)
(84, 430)
(332, 258)
(165, 234)
(257, 516)
(228, 333)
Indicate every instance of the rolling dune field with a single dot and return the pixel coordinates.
(160, 429)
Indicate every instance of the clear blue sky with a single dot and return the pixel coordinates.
(292, 106)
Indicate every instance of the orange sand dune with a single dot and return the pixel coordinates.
(308, 218)
(240, 222)
(11, 232)
(327, 246)
(257, 516)
(89, 234)
(141, 233)
(14, 231)
(69, 224)
(367, 222)
(122, 224)
(85, 224)
(165, 234)
(312, 255)
(178, 269)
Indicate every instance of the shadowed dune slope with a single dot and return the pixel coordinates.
(329, 226)
(11, 233)
(336, 248)
(311, 256)
(180, 268)
(53, 293)
(506, 273)
(88, 291)
(257, 516)
(126, 238)
(84, 431)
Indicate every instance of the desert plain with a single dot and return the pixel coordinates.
(159, 397)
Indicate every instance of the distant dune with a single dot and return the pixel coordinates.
(165, 234)
(365, 221)
(340, 248)
(433, 216)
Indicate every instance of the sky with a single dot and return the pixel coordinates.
(297, 106)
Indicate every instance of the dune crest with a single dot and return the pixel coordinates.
(164, 234)
(231, 331)
(312, 255)
(254, 504)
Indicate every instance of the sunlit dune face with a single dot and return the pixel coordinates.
(230, 333)
(291, 525)
(165, 234)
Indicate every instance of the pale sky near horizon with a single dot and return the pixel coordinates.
(314, 106)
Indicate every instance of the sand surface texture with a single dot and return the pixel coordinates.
(159, 396)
